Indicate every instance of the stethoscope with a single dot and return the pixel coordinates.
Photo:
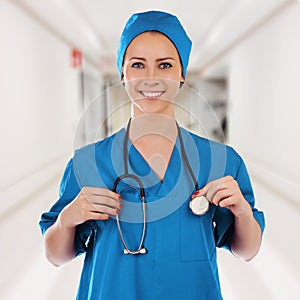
(199, 204)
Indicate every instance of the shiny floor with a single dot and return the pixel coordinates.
(25, 273)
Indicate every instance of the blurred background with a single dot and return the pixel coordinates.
(59, 89)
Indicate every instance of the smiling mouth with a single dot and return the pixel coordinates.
(151, 94)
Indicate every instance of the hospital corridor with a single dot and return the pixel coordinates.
(60, 90)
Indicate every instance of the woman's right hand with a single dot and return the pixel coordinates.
(91, 204)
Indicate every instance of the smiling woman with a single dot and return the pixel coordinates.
(152, 73)
(175, 256)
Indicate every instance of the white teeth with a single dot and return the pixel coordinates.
(152, 94)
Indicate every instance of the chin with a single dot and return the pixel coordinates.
(152, 107)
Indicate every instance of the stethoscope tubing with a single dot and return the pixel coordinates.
(126, 175)
(141, 249)
(185, 158)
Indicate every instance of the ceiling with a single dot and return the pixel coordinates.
(94, 26)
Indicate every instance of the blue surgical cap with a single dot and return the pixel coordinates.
(160, 21)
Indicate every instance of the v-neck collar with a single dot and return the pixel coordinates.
(139, 166)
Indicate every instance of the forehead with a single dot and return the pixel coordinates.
(152, 42)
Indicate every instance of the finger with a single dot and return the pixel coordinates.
(101, 192)
(104, 200)
(203, 191)
(212, 192)
(107, 193)
(197, 194)
(227, 202)
(105, 209)
(220, 195)
(220, 181)
(213, 187)
(98, 216)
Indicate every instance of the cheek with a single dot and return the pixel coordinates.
(131, 88)
(132, 76)
(174, 74)
(173, 89)
(130, 73)
(125, 71)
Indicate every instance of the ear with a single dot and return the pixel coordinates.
(182, 79)
(122, 79)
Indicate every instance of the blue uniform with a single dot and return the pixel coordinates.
(180, 262)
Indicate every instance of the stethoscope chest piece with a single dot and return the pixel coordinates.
(199, 205)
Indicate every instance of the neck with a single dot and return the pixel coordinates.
(154, 136)
(152, 128)
(157, 109)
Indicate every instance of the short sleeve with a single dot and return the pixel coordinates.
(245, 185)
(224, 219)
(68, 190)
(223, 227)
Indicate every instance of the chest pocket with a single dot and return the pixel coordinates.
(196, 236)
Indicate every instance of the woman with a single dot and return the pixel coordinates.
(165, 250)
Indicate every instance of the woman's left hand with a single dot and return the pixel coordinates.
(225, 192)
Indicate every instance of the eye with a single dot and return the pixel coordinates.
(165, 65)
(137, 65)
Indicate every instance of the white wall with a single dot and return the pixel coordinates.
(264, 109)
(39, 96)
(40, 109)
(265, 94)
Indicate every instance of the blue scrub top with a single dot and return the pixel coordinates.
(180, 262)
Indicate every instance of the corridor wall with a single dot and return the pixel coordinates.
(39, 100)
(263, 110)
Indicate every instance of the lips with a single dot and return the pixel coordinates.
(151, 94)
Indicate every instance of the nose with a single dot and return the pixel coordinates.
(151, 78)
(152, 71)
(151, 81)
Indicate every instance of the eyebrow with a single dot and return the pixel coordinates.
(159, 59)
(166, 58)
